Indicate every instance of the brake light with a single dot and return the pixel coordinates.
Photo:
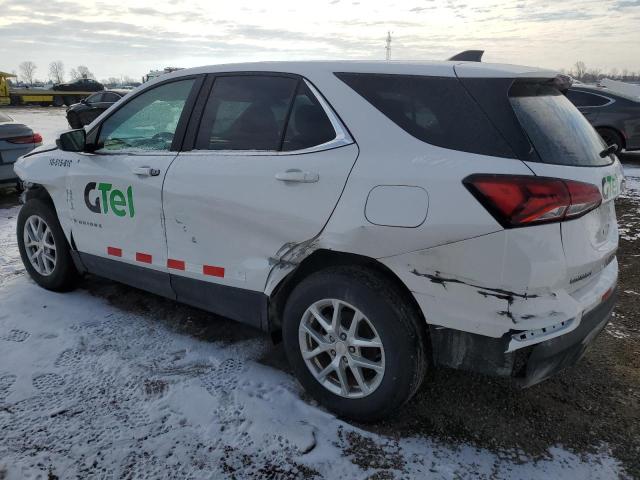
(521, 200)
(35, 138)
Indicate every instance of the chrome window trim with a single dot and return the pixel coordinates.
(610, 100)
(341, 139)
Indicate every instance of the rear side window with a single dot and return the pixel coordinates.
(584, 99)
(558, 131)
(246, 113)
(110, 97)
(436, 110)
(308, 123)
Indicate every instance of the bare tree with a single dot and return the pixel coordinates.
(579, 70)
(27, 71)
(81, 72)
(56, 71)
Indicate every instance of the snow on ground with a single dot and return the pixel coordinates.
(91, 391)
(629, 224)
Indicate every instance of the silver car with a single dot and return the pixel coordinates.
(16, 139)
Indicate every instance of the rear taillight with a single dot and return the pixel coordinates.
(35, 138)
(521, 200)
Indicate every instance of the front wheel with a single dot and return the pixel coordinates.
(354, 342)
(43, 247)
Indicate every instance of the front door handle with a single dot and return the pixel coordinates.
(146, 171)
(296, 175)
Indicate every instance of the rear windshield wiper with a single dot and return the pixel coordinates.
(609, 150)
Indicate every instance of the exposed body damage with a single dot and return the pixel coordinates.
(235, 230)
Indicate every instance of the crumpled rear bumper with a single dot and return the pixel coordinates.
(528, 365)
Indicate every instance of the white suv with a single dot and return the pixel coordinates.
(383, 218)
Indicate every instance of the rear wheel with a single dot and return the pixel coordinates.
(43, 247)
(58, 101)
(354, 342)
(611, 137)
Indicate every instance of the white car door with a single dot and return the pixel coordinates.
(268, 166)
(115, 193)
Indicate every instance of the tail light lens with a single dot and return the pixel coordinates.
(35, 138)
(521, 200)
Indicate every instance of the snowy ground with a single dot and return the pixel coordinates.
(92, 390)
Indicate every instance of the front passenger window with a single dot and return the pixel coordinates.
(148, 121)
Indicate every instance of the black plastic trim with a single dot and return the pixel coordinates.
(245, 306)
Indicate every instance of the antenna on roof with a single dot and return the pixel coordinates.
(468, 56)
(388, 47)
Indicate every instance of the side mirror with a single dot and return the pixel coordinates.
(84, 100)
(72, 141)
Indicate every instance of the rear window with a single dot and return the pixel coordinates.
(436, 110)
(558, 131)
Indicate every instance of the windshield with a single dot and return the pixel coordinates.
(558, 131)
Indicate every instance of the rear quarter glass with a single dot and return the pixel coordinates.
(436, 110)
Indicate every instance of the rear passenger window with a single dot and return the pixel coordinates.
(110, 97)
(436, 110)
(584, 99)
(308, 124)
(246, 113)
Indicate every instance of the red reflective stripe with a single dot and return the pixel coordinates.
(143, 257)
(213, 271)
(115, 252)
(175, 264)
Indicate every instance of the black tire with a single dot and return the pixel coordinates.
(68, 100)
(74, 120)
(64, 275)
(401, 330)
(58, 101)
(610, 137)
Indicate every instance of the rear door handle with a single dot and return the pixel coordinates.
(296, 175)
(146, 171)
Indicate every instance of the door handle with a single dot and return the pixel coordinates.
(296, 175)
(146, 171)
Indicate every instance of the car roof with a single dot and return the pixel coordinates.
(429, 68)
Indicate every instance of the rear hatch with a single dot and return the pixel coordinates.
(569, 148)
(548, 133)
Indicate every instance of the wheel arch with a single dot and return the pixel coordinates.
(322, 259)
(37, 191)
(617, 131)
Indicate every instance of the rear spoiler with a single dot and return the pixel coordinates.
(468, 56)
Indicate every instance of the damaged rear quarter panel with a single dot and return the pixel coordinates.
(508, 280)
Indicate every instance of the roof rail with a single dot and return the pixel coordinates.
(468, 56)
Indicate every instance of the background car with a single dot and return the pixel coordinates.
(16, 139)
(88, 109)
(614, 115)
(80, 85)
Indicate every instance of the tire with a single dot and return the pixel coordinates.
(58, 101)
(68, 100)
(63, 274)
(610, 137)
(74, 120)
(394, 322)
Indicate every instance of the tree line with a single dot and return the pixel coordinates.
(57, 74)
(579, 71)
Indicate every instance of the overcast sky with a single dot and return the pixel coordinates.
(130, 38)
